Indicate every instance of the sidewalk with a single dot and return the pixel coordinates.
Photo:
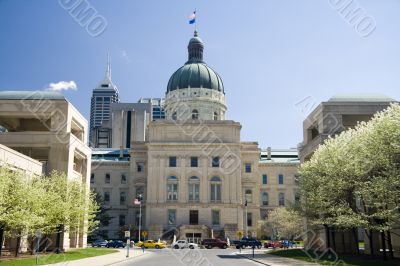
(105, 260)
(272, 260)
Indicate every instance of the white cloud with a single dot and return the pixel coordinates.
(62, 85)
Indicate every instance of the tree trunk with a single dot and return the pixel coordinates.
(383, 240)
(1, 239)
(328, 239)
(58, 238)
(371, 244)
(343, 243)
(18, 244)
(356, 240)
(334, 240)
(390, 246)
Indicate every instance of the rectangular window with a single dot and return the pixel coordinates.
(139, 167)
(106, 197)
(122, 198)
(215, 217)
(92, 178)
(249, 219)
(194, 161)
(123, 179)
(280, 179)
(194, 192)
(171, 217)
(108, 179)
(215, 161)
(172, 161)
(194, 217)
(215, 192)
(172, 192)
(281, 199)
(121, 220)
(264, 179)
(247, 167)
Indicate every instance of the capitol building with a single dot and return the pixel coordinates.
(198, 179)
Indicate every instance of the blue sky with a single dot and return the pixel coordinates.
(271, 55)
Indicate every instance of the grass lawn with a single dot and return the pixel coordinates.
(360, 260)
(74, 254)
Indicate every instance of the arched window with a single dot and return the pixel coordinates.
(195, 114)
(174, 117)
(248, 195)
(281, 199)
(215, 189)
(215, 116)
(194, 189)
(172, 188)
(265, 199)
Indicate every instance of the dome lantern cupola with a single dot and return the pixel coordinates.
(195, 49)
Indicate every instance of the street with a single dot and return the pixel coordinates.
(186, 257)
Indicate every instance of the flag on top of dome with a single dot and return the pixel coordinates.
(192, 18)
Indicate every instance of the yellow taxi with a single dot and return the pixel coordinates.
(151, 244)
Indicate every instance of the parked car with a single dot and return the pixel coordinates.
(115, 244)
(214, 242)
(151, 244)
(247, 242)
(99, 243)
(180, 244)
(273, 244)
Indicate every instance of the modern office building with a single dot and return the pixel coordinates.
(44, 132)
(157, 106)
(339, 113)
(103, 96)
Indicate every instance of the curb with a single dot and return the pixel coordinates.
(249, 258)
(126, 259)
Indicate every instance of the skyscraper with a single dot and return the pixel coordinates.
(103, 95)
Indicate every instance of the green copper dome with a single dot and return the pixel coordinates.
(195, 73)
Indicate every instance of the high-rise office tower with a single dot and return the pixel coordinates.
(103, 95)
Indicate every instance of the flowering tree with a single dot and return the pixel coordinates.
(353, 179)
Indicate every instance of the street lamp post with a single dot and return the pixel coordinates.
(140, 198)
(247, 229)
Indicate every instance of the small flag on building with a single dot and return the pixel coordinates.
(192, 18)
(136, 202)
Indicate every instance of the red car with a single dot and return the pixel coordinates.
(212, 243)
(273, 244)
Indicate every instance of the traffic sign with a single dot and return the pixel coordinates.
(127, 234)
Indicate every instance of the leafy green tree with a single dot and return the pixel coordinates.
(284, 223)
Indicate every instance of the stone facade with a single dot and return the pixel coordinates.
(44, 126)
